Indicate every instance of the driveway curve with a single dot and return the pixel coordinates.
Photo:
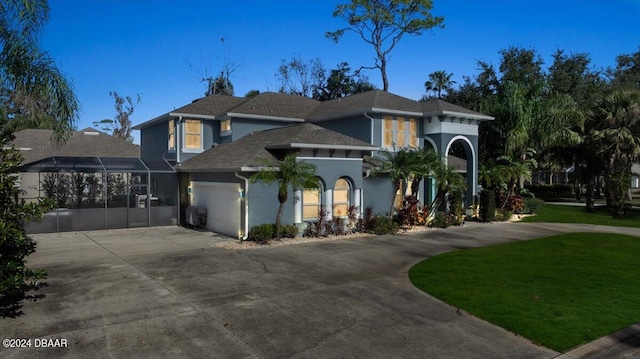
(167, 292)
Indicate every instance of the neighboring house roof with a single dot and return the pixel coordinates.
(253, 150)
(294, 108)
(35, 145)
(459, 164)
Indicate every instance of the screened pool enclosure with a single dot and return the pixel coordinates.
(101, 193)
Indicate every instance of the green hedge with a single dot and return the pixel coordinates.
(267, 231)
(487, 205)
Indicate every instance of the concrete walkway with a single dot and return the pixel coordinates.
(168, 293)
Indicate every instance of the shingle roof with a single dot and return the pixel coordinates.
(252, 150)
(38, 144)
(214, 105)
(439, 106)
(277, 105)
(293, 107)
(361, 102)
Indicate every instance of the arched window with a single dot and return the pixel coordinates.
(311, 201)
(341, 197)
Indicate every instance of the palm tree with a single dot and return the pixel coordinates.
(287, 173)
(616, 139)
(399, 165)
(439, 81)
(32, 88)
(447, 180)
(425, 162)
(515, 170)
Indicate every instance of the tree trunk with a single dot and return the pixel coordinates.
(383, 72)
(393, 199)
(590, 193)
(415, 186)
(577, 186)
(278, 217)
(282, 198)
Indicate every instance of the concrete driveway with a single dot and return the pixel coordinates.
(168, 293)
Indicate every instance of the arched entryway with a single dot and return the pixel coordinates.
(461, 154)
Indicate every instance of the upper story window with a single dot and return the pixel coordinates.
(225, 126)
(172, 135)
(192, 134)
(399, 131)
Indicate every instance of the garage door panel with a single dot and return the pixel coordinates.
(223, 205)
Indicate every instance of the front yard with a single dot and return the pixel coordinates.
(577, 214)
(560, 291)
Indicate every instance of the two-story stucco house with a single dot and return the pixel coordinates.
(216, 143)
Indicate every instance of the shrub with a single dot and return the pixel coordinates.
(352, 216)
(288, 230)
(487, 205)
(503, 215)
(526, 193)
(267, 231)
(412, 212)
(384, 225)
(531, 205)
(551, 191)
(514, 203)
(263, 232)
(455, 207)
(368, 221)
(441, 220)
(319, 227)
(338, 226)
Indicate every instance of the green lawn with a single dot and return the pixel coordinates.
(560, 291)
(572, 214)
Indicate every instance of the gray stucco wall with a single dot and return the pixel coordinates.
(263, 204)
(210, 133)
(331, 169)
(377, 194)
(358, 127)
(154, 142)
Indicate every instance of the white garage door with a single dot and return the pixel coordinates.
(222, 201)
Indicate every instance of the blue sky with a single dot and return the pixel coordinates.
(161, 49)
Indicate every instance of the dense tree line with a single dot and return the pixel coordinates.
(569, 114)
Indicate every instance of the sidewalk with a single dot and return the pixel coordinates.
(624, 343)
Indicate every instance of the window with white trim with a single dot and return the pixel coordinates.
(192, 134)
(311, 202)
(341, 197)
(399, 131)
